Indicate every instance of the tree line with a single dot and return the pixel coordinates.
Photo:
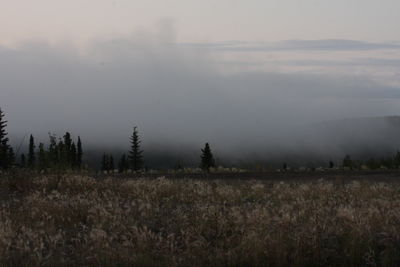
(63, 153)
(392, 162)
(133, 160)
(7, 156)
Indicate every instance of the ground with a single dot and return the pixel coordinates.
(263, 219)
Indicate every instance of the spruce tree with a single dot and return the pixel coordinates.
(331, 165)
(23, 161)
(284, 166)
(111, 166)
(207, 158)
(42, 158)
(68, 149)
(53, 150)
(347, 162)
(31, 152)
(5, 149)
(104, 163)
(73, 155)
(62, 154)
(397, 159)
(79, 153)
(123, 164)
(135, 154)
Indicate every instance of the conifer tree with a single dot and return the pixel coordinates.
(31, 152)
(79, 153)
(62, 153)
(53, 150)
(23, 161)
(331, 165)
(104, 163)
(73, 155)
(135, 154)
(347, 162)
(207, 158)
(284, 166)
(42, 158)
(67, 149)
(6, 159)
(111, 166)
(397, 159)
(123, 164)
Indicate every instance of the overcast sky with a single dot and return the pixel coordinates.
(196, 71)
(201, 21)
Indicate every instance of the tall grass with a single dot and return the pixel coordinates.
(74, 220)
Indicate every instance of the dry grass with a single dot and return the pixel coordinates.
(73, 220)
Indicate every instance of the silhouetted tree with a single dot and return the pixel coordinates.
(104, 163)
(347, 162)
(79, 153)
(178, 166)
(31, 152)
(23, 161)
(207, 158)
(62, 154)
(42, 158)
(73, 155)
(386, 163)
(111, 166)
(53, 152)
(372, 164)
(331, 164)
(6, 152)
(397, 159)
(135, 154)
(68, 149)
(284, 167)
(123, 164)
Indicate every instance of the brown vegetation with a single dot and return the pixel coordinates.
(76, 220)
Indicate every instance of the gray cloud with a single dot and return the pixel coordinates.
(176, 97)
(378, 62)
(295, 45)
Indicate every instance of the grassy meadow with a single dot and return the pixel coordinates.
(70, 220)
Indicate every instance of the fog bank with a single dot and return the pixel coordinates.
(178, 98)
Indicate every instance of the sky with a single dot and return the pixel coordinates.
(255, 73)
(201, 21)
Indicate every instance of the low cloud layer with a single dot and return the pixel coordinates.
(178, 97)
(297, 45)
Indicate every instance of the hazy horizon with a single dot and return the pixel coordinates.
(256, 78)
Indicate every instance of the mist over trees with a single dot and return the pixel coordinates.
(276, 108)
(66, 153)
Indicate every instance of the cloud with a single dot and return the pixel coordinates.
(295, 45)
(176, 96)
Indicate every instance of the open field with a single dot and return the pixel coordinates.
(277, 176)
(79, 220)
